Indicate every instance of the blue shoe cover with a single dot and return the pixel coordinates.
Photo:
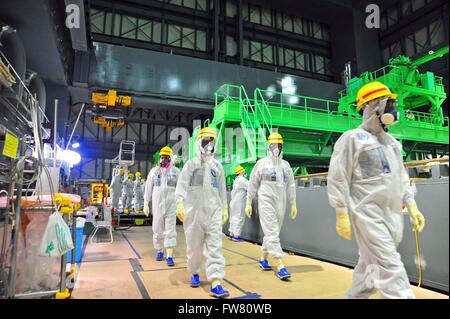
(159, 256)
(283, 274)
(169, 261)
(264, 264)
(236, 238)
(219, 292)
(195, 280)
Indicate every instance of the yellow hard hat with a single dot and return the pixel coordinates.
(166, 150)
(131, 175)
(238, 170)
(275, 138)
(121, 171)
(206, 132)
(138, 174)
(371, 91)
(143, 180)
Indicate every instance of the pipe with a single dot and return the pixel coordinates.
(75, 126)
(55, 121)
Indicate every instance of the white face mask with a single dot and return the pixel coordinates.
(276, 152)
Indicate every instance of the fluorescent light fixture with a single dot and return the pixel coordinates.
(76, 145)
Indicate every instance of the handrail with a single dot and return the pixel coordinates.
(266, 108)
(407, 164)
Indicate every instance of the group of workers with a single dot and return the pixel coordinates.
(127, 188)
(366, 180)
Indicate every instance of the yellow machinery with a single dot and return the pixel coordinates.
(108, 110)
(108, 124)
(111, 99)
(99, 193)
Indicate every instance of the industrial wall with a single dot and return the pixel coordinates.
(313, 232)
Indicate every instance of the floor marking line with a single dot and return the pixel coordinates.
(131, 245)
(140, 285)
(137, 267)
(250, 296)
(240, 254)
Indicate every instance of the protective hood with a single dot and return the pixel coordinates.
(273, 159)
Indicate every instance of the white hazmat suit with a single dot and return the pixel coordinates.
(127, 194)
(116, 191)
(367, 178)
(202, 188)
(273, 181)
(138, 195)
(237, 204)
(160, 191)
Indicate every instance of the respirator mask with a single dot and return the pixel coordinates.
(390, 114)
(276, 149)
(164, 161)
(207, 146)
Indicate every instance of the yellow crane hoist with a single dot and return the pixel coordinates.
(108, 124)
(111, 99)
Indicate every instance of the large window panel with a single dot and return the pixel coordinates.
(255, 15)
(266, 17)
(108, 22)
(144, 32)
(156, 32)
(289, 58)
(395, 49)
(319, 64)
(201, 40)
(392, 16)
(189, 4)
(174, 35)
(267, 53)
(437, 33)
(417, 4)
(231, 9)
(406, 8)
(201, 5)
(97, 21)
(301, 61)
(246, 49)
(317, 30)
(298, 26)
(117, 23)
(188, 40)
(245, 12)
(287, 23)
(410, 46)
(255, 51)
(422, 40)
(231, 46)
(129, 25)
(280, 56)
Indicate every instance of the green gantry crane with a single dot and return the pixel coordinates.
(310, 126)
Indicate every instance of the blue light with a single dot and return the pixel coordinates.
(75, 145)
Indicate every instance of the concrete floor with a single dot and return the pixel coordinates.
(127, 269)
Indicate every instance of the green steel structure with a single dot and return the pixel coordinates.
(310, 126)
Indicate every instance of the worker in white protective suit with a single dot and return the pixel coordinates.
(202, 207)
(273, 181)
(237, 204)
(367, 179)
(138, 193)
(116, 189)
(160, 191)
(127, 193)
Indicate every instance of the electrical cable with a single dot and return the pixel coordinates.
(416, 233)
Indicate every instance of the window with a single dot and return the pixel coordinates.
(173, 35)
(188, 40)
(287, 23)
(266, 17)
(298, 26)
(437, 34)
(267, 53)
(317, 30)
(231, 46)
(255, 51)
(231, 9)
(255, 14)
(201, 40)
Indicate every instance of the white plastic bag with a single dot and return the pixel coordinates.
(57, 239)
